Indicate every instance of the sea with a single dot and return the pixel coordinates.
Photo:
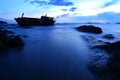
(52, 52)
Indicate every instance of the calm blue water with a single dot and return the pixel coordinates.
(52, 53)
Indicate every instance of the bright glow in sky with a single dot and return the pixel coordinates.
(63, 10)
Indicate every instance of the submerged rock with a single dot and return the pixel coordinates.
(112, 69)
(3, 22)
(16, 42)
(113, 49)
(4, 37)
(90, 29)
(9, 41)
(2, 46)
(6, 31)
(92, 40)
(110, 47)
(24, 36)
(106, 60)
(108, 36)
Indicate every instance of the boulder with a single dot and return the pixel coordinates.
(16, 42)
(24, 36)
(6, 31)
(113, 66)
(9, 41)
(4, 37)
(2, 46)
(90, 29)
(110, 47)
(92, 40)
(108, 36)
(3, 22)
(1, 28)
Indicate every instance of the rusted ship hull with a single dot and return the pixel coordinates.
(25, 21)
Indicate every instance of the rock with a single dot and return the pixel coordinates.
(9, 41)
(110, 47)
(3, 22)
(4, 37)
(1, 28)
(24, 36)
(108, 36)
(103, 66)
(113, 66)
(90, 29)
(16, 42)
(6, 31)
(2, 46)
(92, 40)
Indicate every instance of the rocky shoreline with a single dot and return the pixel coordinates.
(9, 40)
(105, 67)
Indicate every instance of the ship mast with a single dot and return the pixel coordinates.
(22, 15)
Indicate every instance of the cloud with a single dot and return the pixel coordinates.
(73, 9)
(60, 3)
(75, 14)
(110, 16)
(26, 0)
(53, 2)
(39, 2)
(110, 3)
(64, 9)
(99, 21)
(106, 17)
(63, 15)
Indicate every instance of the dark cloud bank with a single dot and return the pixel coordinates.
(72, 9)
(52, 2)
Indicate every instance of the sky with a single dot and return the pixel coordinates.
(64, 11)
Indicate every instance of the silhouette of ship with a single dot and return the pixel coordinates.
(27, 21)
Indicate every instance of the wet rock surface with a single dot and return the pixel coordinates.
(106, 60)
(92, 41)
(90, 29)
(110, 47)
(9, 40)
(3, 22)
(108, 36)
(16, 42)
(113, 66)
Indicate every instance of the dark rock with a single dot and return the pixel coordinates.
(1, 28)
(108, 36)
(16, 42)
(90, 29)
(24, 36)
(110, 47)
(2, 46)
(92, 40)
(113, 66)
(10, 32)
(105, 67)
(3, 22)
(9, 41)
(4, 38)
(6, 31)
